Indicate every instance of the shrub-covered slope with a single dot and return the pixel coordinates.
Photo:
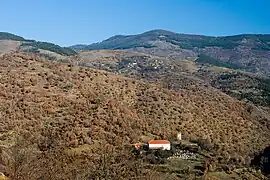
(65, 122)
(8, 39)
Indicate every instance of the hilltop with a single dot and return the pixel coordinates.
(10, 36)
(246, 51)
(10, 42)
(60, 121)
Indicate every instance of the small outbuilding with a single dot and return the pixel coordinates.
(159, 144)
(136, 146)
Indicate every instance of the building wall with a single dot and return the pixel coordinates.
(157, 146)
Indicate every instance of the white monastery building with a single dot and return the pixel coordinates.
(159, 144)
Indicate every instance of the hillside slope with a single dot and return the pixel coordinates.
(10, 42)
(7, 46)
(181, 74)
(239, 84)
(60, 121)
(248, 51)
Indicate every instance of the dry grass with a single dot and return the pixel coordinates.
(8, 45)
(74, 122)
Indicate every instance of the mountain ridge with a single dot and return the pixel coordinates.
(251, 52)
(10, 36)
(33, 45)
(166, 32)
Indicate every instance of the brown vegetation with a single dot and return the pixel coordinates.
(60, 121)
(8, 46)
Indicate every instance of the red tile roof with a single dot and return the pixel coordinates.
(158, 142)
(136, 145)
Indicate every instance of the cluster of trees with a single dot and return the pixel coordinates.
(227, 42)
(262, 161)
(204, 59)
(238, 81)
(228, 76)
(158, 156)
(9, 36)
(264, 86)
(261, 96)
(119, 45)
(202, 42)
(50, 47)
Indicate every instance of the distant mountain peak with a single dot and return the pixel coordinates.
(159, 32)
(241, 50)
(184, 41)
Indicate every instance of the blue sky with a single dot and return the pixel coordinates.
(68, 22)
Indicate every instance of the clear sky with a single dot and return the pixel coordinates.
(69, 22)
